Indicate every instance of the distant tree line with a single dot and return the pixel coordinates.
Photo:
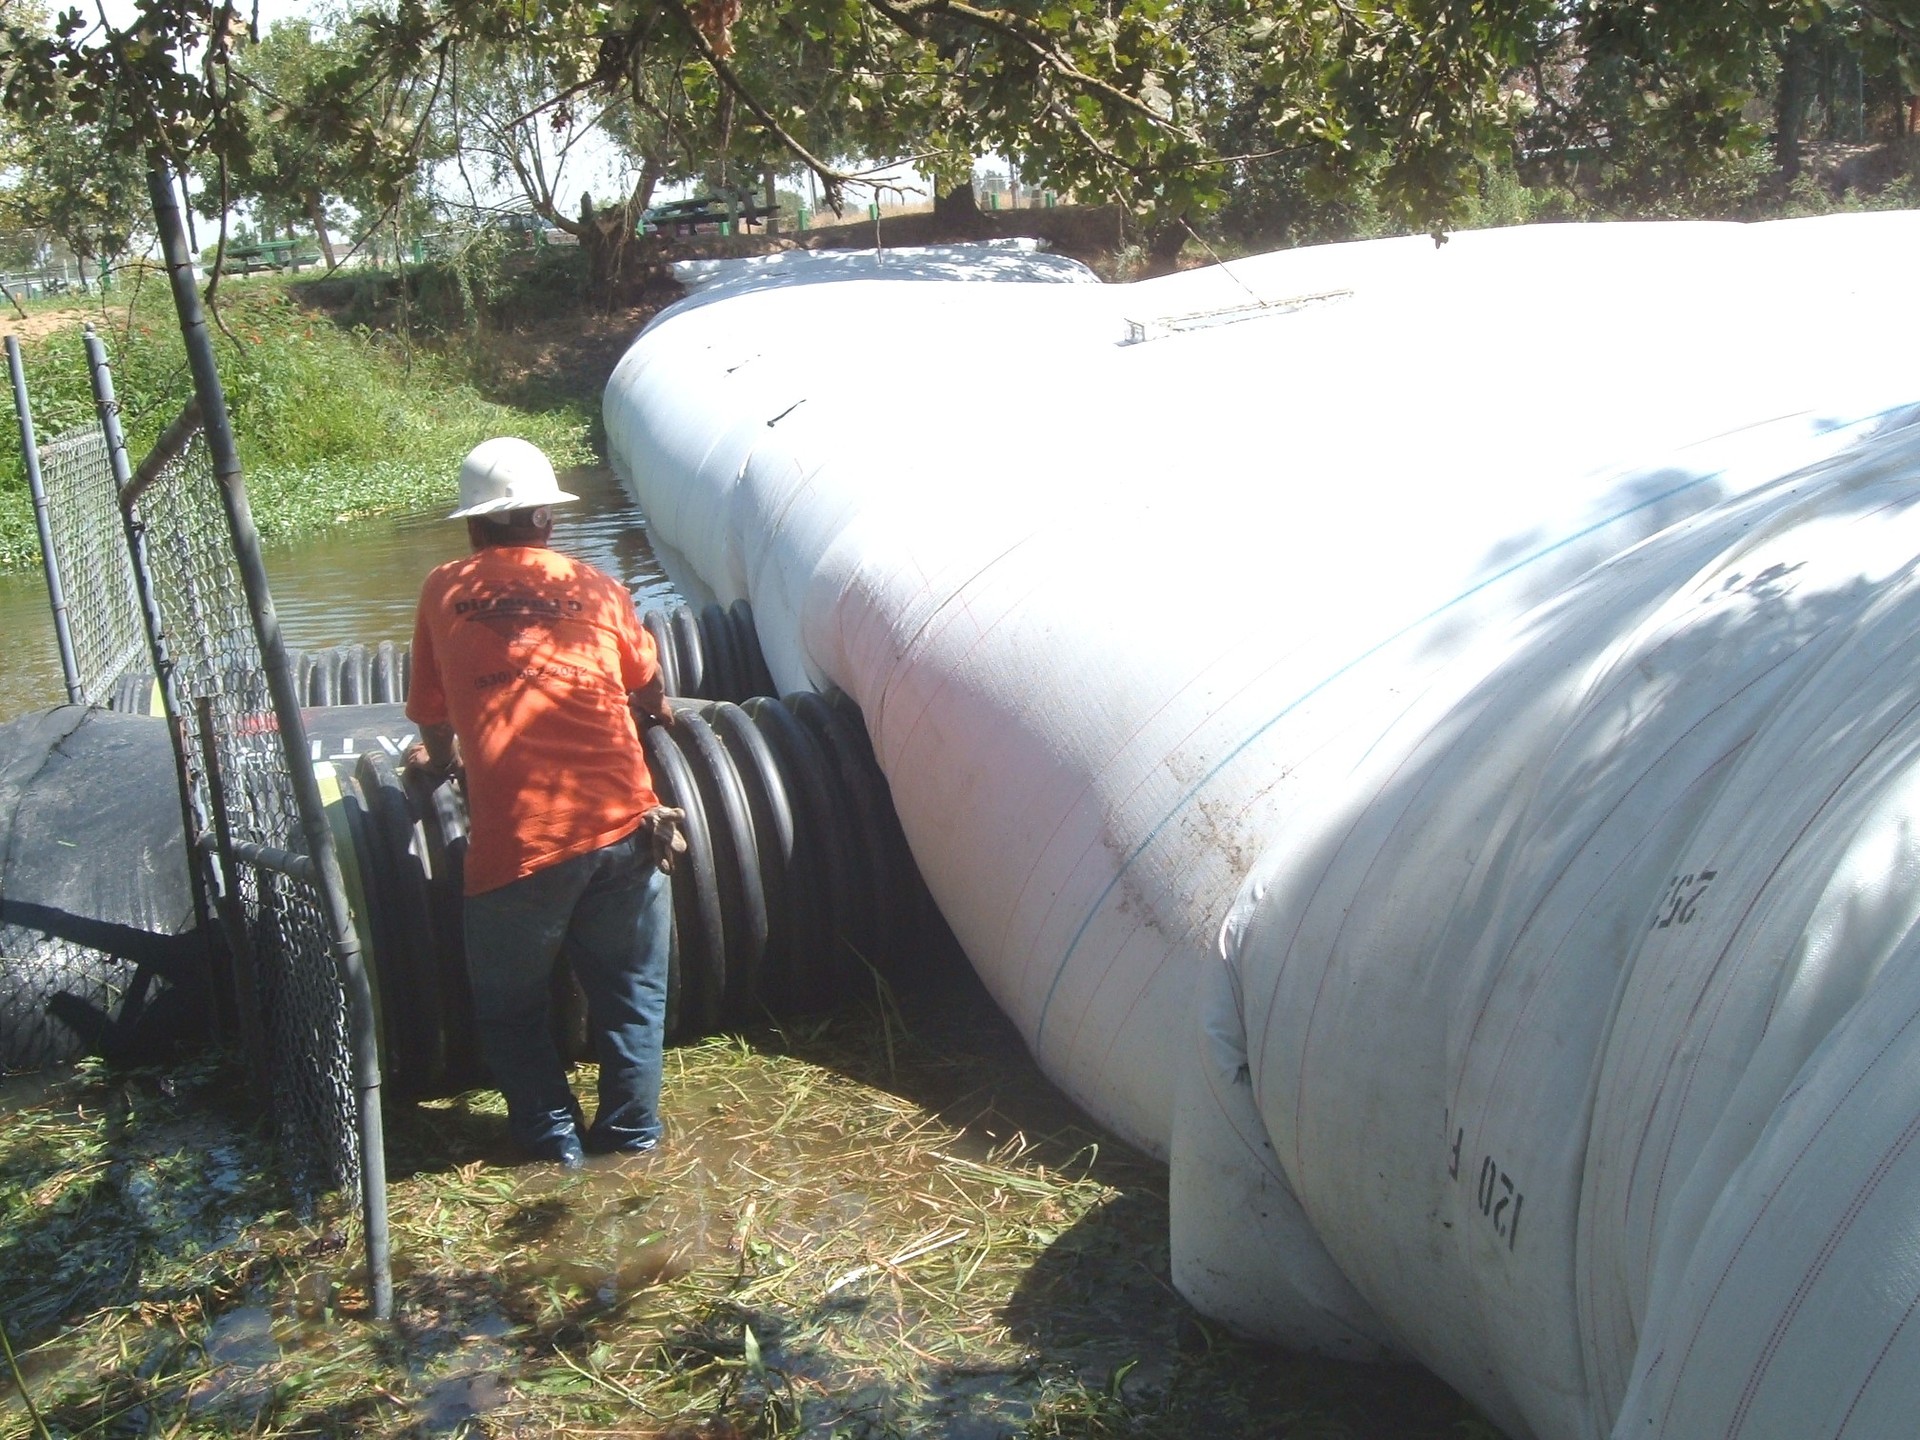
(1278, 120)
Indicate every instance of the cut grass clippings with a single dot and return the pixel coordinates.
(855, 1230)
(334, 424)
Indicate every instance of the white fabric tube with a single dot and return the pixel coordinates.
(1440, 603)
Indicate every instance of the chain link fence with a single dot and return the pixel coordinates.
(39, 969)
(103, 608)
(145, 572)
(100, 640)
(291, 1000)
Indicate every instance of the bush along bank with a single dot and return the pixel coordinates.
(334, 424)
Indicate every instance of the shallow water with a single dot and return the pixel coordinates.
(356, 583)
(18, 1092)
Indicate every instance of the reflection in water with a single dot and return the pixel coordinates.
(354, 584)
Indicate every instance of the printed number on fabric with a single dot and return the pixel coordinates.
(1677, 901)
(1497, 1196)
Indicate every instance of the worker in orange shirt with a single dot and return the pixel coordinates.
(531, 677)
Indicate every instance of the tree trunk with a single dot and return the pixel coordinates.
(602, 261)
(958, 204)
(603, 235)
(1164, 243)
(317, 212)
(1790, 108)
(642, 194)
(773, 206)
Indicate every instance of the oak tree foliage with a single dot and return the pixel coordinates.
(1161, 106)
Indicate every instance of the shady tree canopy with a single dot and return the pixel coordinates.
(1159, 106)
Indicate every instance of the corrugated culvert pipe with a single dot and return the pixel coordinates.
(797, 889)
(709, 654)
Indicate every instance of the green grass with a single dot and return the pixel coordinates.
(875, 1226)
(334, 423)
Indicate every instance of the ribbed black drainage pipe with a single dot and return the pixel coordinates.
(712, 654)
(796, 891)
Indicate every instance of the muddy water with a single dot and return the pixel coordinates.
(354, 584)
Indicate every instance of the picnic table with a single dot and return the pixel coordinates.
(718, 211)
(270, 255)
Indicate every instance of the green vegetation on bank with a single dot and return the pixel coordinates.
(335, 423)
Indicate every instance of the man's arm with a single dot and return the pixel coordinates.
(650, 702)
(438, 753)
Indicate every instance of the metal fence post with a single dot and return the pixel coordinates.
(49, 564)
(293, 739)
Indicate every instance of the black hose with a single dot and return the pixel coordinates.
(774, 841)
(442, 814)
(796, 887)
(688, 651)
(759, 680)
(353, 686)
(701, 952)
(417, 1021)
(724, 680)
(820, 815)
(385, 678)
(873, 925)
(323, 678)
(905, 890)
(743, 901)
(133, 693)
(713, 655)
(657, 625)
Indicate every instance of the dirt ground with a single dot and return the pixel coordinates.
(39, 322)
(572, 353)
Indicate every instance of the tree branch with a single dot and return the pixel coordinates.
(830, 177)
(911, 16)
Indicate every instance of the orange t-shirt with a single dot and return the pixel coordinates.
(529, 654)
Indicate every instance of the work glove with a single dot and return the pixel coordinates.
(661, 827)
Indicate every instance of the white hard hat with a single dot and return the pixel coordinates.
(506, 474)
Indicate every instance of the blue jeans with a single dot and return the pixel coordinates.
(610, 912)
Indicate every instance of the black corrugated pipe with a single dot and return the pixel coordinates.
(796, 891)
(712, 654)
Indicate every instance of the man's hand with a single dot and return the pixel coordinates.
(661, 829)
(650, 703)
(435, 756)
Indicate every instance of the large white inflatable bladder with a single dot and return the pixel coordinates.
(1422, 599)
